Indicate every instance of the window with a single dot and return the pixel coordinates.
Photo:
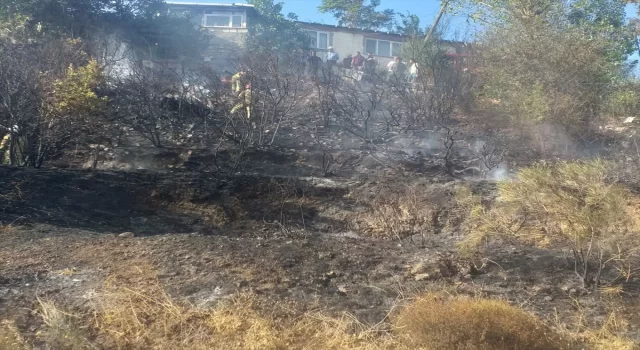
(371, 47)
(236, 21)
(319, 40)
(396, 49)
(221, 19)
(382, 47)
(179, 12)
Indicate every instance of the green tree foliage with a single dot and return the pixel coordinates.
(275, 31)
(409, 25)
(362, 14)
(553, 61)
(46, 101)
(144, 24)
(78, 18)
(75, 93)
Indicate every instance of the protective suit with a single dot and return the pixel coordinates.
(237, 81)
(246, 102)
(19, 147)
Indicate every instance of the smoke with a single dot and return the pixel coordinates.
(501, 173)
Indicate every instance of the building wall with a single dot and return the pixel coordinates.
(345, 43)
(225, 43)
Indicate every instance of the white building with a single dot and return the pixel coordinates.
(347, 41)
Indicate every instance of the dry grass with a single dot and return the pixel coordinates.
(396, 214)
(608, 337)
(146, 317)
(150, 319)
(133, 311)
(64, 330)
(10, 337)
(130, 319)
(437, 323)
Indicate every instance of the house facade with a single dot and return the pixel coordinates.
(347, 41)
(383, 46)
(229, 24)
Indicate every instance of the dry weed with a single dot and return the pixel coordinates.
(609, 337)
(146, 317)
(434, 322)
(10, 337)
(397, 214)
(64, 330)
(574, 206)
(133, 320)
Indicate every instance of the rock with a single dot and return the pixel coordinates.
(127, 235)
(342, 289)
(422, 276)
(573, 291)
(548, 298)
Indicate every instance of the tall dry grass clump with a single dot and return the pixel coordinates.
(434, 322)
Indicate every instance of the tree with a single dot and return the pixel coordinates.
(275, 31)
(552, 62)
(77, 18)
(361, 14)
(409, 25)
(46, 103)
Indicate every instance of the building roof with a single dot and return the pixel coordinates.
(370, 33)
(212, 4)
(348, 29)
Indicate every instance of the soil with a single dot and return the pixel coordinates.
(278, 229)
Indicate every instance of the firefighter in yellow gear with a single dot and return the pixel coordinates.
(19, 150)
(5, 144)
(237, 81)
(246, 101)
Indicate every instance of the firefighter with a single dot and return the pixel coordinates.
(19, 147)
(237, 80)
(245, 101)
(5, 146)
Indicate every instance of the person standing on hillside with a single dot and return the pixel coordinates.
(332, 57)
(314, 64)
(346, 62)
(246, 101)
(396, 67)
(238, 81)
(370, 64)
(413, 70)
(358, 61)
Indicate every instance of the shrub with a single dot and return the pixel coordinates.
(572, 205)
(435, 323)
(552, 62)
(397, 213)
(624, 102)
